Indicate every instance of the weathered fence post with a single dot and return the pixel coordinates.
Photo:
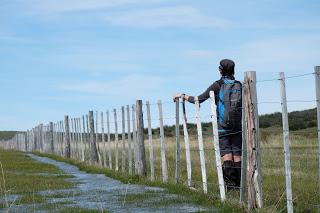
(186, 144)
(163, 145)
(123, 137)
(317, 80)
(103, 141)
(51, 137)
(134, 137)
(116, 139)
(94, 150)
(285, 124)
(129, 141)
(253, 142)
(109, 140)
(82, 138)
(41, 137)
(67, 137)
(150, 142)
(142, 168)
(216, 145)
(177, 174)
(243, 180)
(201, 148)
(97, 138)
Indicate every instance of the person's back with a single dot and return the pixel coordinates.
(228, 98)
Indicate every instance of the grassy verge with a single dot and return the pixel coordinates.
(190, 196)
(22, 177)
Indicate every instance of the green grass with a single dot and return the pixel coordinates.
(21, 175)
(304, 165)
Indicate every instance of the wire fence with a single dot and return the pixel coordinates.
(114, 134)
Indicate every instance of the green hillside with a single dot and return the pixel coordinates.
(298, 120)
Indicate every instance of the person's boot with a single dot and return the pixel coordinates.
(229, 174)
(237, 167)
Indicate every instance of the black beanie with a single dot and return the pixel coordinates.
(227, 67)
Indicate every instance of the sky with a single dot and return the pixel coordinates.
(61, 57)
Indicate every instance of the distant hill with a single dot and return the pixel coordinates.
(5, 135)
(298, 120)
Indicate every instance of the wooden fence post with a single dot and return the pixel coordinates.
(216, 146)
(177, 174)
(285, 124)
(243, 181)
(142, 168)
(163, 145)
(97, 139)
(104, 142)
(94, 150)
(123, 137)
(67, 137)
(253, 142)
(150, 141)
(51, 137)
(82, 132)
(201, 148)
(116, 139)
(109, 141)
(186, 144)
(317, 80)
(129, 141)
(41, 137)
(134, 137)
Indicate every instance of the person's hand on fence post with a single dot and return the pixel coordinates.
(177, 96)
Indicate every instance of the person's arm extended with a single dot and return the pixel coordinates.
(204, 96)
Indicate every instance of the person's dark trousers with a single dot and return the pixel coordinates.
(237, 167)
(229, 174)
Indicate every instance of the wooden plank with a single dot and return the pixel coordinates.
(142, 166)
(116, 139)
(151, 158)
(214, 121)
(94, 150)
(317, 84)
(201, 148)
(123, 138)
(67, 137)
(285, 124)
(187, 145)
(104, 154)
(163, 145)
(177, 173)
(253, 142)
(129, 140)
(109, 141)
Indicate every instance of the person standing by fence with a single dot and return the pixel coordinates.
(228, 98)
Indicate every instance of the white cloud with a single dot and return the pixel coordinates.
(132, 86)
(177, 16)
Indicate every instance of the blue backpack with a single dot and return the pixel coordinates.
(229, 104)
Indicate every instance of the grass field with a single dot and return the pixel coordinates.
(304, 162)
(22, 178)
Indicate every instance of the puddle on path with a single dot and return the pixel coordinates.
(97, 192)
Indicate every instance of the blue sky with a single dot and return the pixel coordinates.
(62, 57)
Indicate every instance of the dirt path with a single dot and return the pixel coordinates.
(98, 192)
